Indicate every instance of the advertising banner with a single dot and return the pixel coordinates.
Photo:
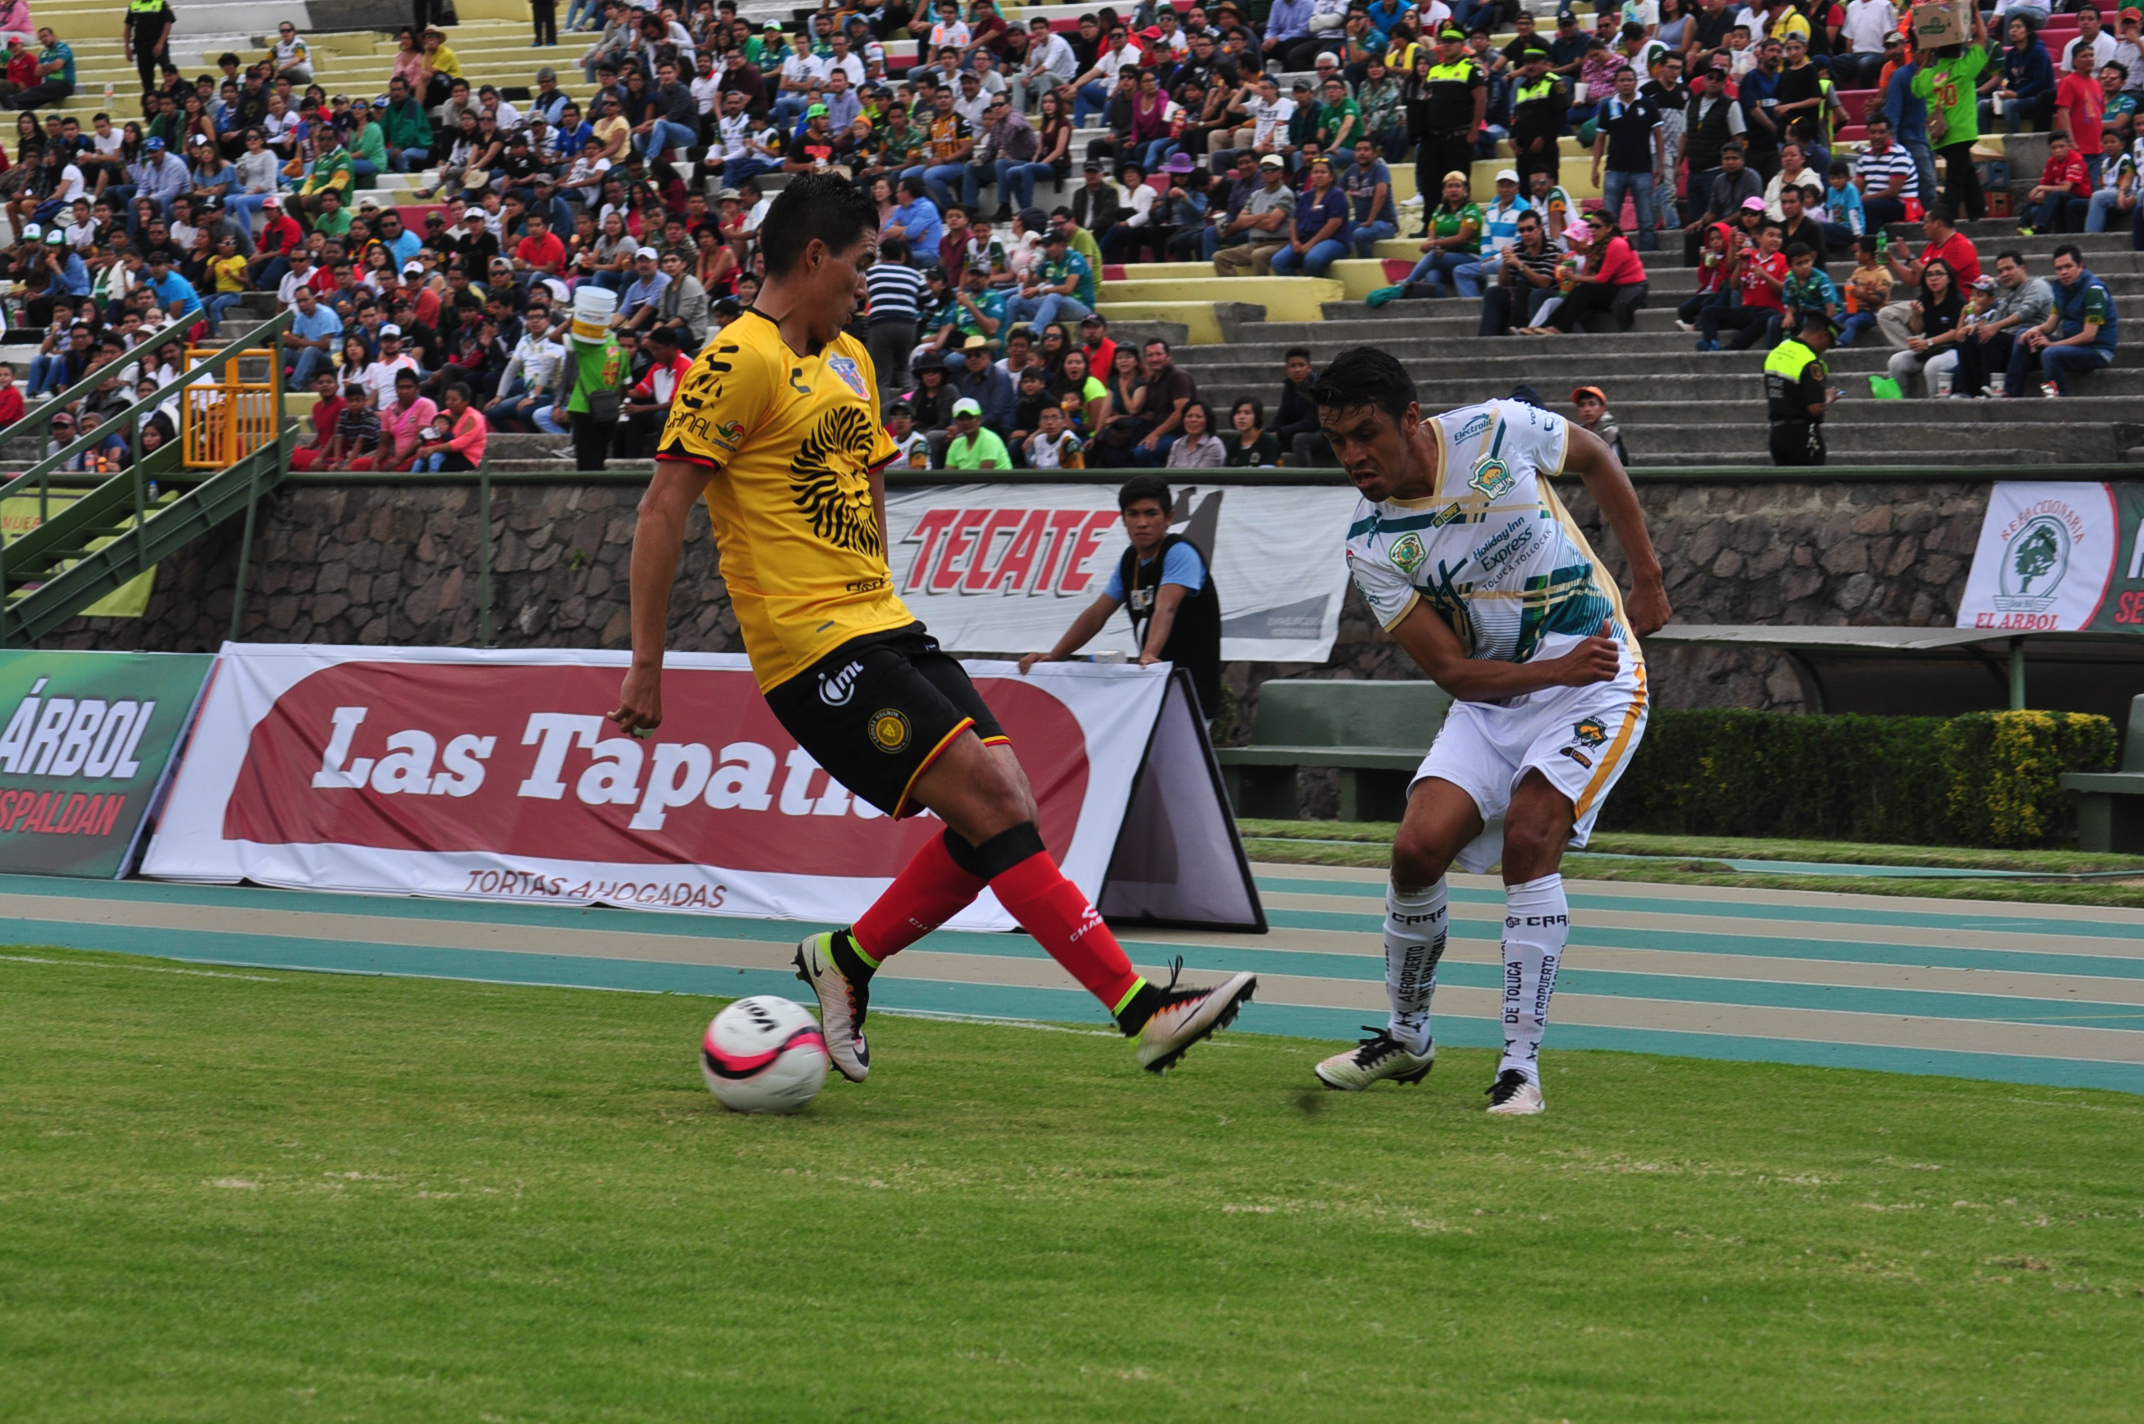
(21, 513)
(2059, 558)
(88, 739)
(1005, 568)
(493, 775)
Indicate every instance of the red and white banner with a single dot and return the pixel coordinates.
(1005, 568)
(493, 775)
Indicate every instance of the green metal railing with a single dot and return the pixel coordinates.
(128, 502)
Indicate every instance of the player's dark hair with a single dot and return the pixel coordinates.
(825, 207)
(1140, 488)
(1363, 376)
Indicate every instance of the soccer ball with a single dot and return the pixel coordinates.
(763, 1055)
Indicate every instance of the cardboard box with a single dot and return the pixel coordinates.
(1941, 22)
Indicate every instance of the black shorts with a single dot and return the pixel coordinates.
(878, 710)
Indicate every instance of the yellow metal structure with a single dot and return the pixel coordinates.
(229, 417)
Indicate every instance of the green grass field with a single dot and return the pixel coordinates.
(238, 1196)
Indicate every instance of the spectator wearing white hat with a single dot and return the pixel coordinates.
(641, 302)
(380, 375)
(1499, 233)
(974, 446)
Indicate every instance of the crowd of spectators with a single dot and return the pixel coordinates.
(1255, 147)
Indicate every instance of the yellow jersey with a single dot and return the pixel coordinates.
(790, 442)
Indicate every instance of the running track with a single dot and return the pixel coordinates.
(2013, 993)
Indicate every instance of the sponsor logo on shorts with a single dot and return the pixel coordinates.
(835, 689)
(1589, 731)
(1408, 553)
(1492, 477)
(1578, 756)
(890, 731)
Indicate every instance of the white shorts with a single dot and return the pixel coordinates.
(1580, 738)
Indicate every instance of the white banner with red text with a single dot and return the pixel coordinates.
(2058, 557)
(493, 775)
(1005, 568)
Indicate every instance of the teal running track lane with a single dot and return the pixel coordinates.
(2030, 994)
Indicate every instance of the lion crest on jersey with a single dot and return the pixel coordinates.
(829, 485)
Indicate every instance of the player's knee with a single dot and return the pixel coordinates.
(1418, 859)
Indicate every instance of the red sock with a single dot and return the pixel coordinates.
(1059, 916)
(922, 897)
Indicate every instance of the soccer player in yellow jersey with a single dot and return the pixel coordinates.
(777, 426)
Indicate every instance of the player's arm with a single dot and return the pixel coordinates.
(1091, 621)
(1436, 649)
(1609, 484)
(658, 535)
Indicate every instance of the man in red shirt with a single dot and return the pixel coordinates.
(2081, 101)
(1759, 274)
(1946, 243)
(647, 401)
(540, 253)
(2063, 179)
(327, 410)
(10, 397)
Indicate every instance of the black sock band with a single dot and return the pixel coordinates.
(1002, 851)
(1133, 1016)
(964, 855)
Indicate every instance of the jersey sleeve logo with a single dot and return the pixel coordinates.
(1492, 477)
(845, 367)
(1408, 553)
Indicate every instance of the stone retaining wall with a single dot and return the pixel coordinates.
(384, 564)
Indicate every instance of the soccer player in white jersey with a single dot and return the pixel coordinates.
(1468, 558)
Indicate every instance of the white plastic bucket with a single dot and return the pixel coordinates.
(593, 307)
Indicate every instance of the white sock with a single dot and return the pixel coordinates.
(1415, 933)
(1537, 926)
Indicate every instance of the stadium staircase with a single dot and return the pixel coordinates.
(1676, 406)
(100, 530)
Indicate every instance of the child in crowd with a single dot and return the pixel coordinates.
(2065, 177)
(1867, 290)
(1591, 403)
(1712, 263)
(1053, 446)
(1809, 290)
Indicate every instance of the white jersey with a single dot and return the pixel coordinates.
(1492, 550)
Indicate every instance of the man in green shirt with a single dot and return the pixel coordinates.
(1949, 83)
(408, 129)
(973, 446)
(1339, 118)
(330, 175)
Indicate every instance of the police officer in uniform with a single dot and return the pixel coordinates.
(1538, 102)
(1164, 583)
(1795, 395)
(148, 28)
(1446, 113)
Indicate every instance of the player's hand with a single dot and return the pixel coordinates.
(1149, 659)
(640, 701)
(1027, 664)
(1598, 659)
(1648, 610)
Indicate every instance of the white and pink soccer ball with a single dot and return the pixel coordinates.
(764, 1055)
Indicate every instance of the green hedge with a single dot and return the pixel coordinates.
(1988, 778)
